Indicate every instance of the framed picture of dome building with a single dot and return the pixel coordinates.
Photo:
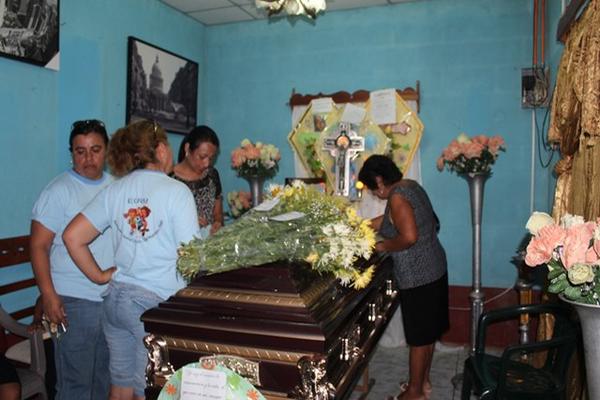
(161, 86)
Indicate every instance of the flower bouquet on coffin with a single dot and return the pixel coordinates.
(297, 223)
(466, 155)
(571, 252)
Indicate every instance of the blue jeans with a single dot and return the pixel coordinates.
(81, 354)
(123, 306)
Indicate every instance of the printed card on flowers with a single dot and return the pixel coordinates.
(203, 384)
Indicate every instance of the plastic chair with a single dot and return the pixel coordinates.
(512, 375)
(32, 378)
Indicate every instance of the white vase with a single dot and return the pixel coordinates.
(589, 316)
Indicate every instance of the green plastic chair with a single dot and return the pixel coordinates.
(510, 375)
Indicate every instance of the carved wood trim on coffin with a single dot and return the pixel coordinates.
(307, 296)
(359, 96)
(251, 353)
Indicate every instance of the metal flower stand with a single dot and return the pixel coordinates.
(476, 181)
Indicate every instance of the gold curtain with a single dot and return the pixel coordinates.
(575, 128)
(575, 119)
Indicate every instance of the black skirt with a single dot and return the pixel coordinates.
(8, 374)
(425, 312)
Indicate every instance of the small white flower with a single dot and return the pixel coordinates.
(597, 232)
(537, 221)
(580, 273)
(569, 220)
(463, 138)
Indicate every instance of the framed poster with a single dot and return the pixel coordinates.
(161, 86)
(29, 31)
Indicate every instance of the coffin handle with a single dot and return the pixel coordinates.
(313, 377)
(158, 369)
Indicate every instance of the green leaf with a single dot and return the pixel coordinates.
(573, 293)
(558, 285)
(555, 272)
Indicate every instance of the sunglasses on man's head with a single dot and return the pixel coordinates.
(87, 124)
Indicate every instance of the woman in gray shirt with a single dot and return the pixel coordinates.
(409, 228)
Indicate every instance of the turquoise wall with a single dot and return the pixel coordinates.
(38, 105)
(467, 55)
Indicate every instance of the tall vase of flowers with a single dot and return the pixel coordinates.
(472, 159)
(571, 252)
(255, 163)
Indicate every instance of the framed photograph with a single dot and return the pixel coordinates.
(161, 86)
(29, 31)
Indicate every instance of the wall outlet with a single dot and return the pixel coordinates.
(535, 87)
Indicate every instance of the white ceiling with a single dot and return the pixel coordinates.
(215, 12)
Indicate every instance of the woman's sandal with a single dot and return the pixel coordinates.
(404, 388)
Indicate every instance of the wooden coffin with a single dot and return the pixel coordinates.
(292, 333)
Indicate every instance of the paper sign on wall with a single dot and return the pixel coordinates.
(322, 105)
(203, 384)
(383, 106)
(353, 114)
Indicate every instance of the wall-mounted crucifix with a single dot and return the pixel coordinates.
(343, 145)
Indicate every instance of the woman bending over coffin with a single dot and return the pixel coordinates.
(409, 228)
(149, 214)
(197, 155)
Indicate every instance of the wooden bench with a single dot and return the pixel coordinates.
(15, 251)
(31, 365)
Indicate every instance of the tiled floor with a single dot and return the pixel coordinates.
(389, 366)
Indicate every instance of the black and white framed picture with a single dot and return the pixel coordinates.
(161, 86)
(29, 31)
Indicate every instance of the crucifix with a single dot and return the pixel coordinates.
(343, 145)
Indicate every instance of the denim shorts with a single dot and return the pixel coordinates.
(124, 304)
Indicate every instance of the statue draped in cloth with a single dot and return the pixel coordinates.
(575, 120)
(575, 128)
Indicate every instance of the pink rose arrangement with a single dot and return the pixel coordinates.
(477, 154)
(571, 251)
(258, 159)
(239, 203)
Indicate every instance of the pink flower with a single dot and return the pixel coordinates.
(576, 244)
(481, 139)
(495, 144)
(452, 151)
(237, 158)
(472, 150)
(596, 247)
(591, 256)
(440, 163)
(541, 247)
(246, 199)
(252, 152)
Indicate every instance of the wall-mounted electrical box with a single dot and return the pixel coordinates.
(535, 87)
